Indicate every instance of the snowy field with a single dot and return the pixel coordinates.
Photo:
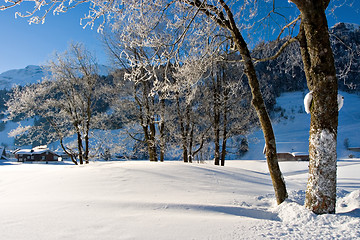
(170, 200)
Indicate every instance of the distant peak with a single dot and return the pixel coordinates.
(348, 26)
(32, 67)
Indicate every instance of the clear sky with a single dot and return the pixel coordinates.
(22, 44)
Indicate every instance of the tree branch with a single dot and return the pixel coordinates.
(277, 54)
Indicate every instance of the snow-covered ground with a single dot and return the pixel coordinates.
(170, 200)
(173, 200)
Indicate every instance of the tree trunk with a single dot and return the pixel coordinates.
(150, 122)
(259, 105)
(80, 148)
(73, 159)
(191, 140)
(152, 142)
(216, 119)
(162, 129)
(182, 131)
(225, 132)
(321, 79)
(87, 130)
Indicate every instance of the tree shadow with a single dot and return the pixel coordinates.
(5, 162)
(228, 210)
(353, 213)
(49, 162)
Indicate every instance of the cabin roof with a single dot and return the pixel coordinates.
(294, 148)
(34, 151)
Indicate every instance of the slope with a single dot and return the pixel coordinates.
(291, 126)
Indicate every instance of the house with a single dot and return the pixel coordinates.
(293, 156)
(41, 154)
(292, 151)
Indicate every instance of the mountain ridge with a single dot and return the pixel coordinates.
(31, 74)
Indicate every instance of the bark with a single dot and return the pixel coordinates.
(148, 121)
(321, 79)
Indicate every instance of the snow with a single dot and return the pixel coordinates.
(307, 102)
(294, 127)
(28, 75)
(340, 101)
(170, 200)
(322, 178)
(173, 200)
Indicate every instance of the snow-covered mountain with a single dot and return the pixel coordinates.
(31, 74)
(28, 75)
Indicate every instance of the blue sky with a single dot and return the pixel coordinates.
(23, 44)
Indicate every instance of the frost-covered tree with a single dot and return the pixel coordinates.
(317, 57)
(204, 21)
(226, 97)
(138, 71)
(66, 99)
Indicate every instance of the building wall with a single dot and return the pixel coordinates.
(47, 156)
(290, 157)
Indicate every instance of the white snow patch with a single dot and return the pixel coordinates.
(350, 202)
(307, 102)
(170, 200)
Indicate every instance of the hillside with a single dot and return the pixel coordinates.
(292, 125)
(285, 73)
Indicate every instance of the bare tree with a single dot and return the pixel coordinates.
(142, 75)
(66, 100)
(228, 105)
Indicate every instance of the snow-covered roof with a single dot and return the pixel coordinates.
(34, 151)
(292, 147)
(296, 154)
(297, 148)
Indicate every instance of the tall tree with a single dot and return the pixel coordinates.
(321, 79)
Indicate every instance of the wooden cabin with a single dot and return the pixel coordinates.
(38, 154)
(292, 151)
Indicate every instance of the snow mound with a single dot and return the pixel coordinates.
(349, 203)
